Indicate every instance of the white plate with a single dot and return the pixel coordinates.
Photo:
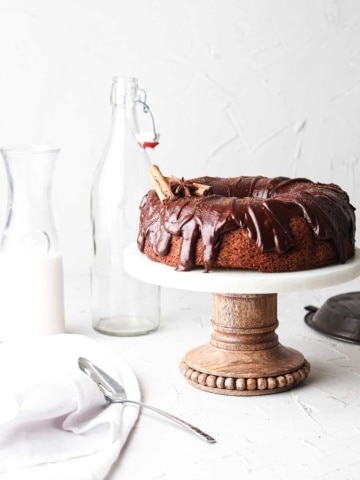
(238, 281)
(37, 370)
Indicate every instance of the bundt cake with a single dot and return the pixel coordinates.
(265, 224)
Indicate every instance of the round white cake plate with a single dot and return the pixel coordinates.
(238, 281)
(244, 356)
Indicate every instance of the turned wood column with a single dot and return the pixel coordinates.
(244, 322)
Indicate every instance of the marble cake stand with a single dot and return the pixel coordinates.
(244, 356)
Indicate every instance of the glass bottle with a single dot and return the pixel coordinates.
(31, 269)
(121, 304)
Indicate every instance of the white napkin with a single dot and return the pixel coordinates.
(54, 422)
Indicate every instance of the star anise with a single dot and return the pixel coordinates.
(181, 187)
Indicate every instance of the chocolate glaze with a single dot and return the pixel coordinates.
(262, 206)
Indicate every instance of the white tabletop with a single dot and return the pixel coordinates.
(311, 432)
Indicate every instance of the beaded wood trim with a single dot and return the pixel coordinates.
(244, 386)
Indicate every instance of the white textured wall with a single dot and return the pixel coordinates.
(268, 87)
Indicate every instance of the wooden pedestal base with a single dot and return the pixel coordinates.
(244, 356)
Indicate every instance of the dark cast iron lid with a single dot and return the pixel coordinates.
(338, 317)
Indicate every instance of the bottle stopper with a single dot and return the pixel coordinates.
(147, 139)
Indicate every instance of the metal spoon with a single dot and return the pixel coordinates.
(115, 393)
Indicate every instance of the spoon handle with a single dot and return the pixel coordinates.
(177, 420)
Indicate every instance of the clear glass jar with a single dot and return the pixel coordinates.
(31, 268)
(121, 304)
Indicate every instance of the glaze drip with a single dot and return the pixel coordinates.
(263, 207)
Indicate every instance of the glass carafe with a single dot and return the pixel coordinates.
(31, 269)
(121, 304)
